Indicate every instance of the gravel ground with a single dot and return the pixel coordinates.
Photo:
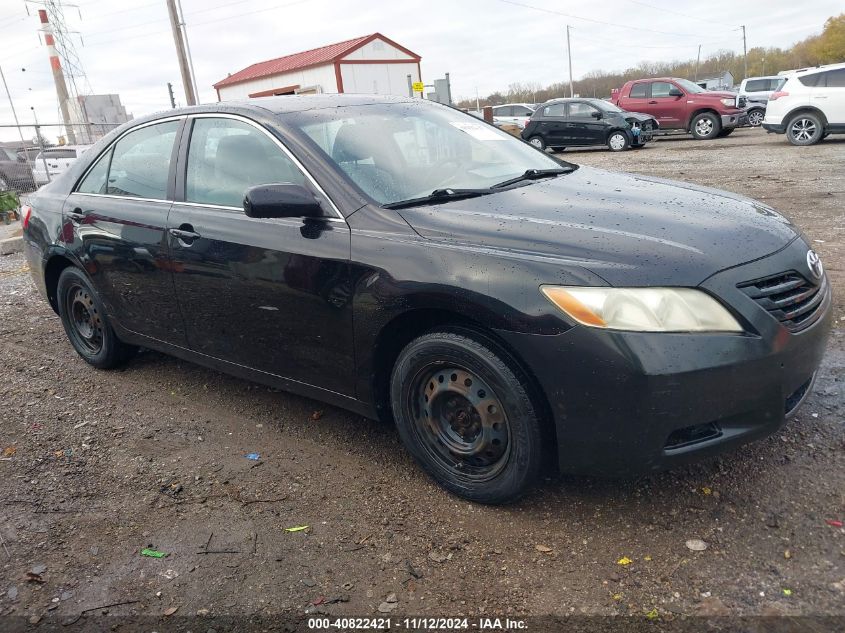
(99, 465)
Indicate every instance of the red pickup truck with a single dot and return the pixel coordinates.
(679, 104)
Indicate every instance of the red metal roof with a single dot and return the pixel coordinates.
(315, 57)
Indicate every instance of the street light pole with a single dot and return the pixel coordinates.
(569, 55)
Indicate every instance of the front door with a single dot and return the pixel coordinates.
(116, 222)
(269, 294)
(668, 109)
(583, 128)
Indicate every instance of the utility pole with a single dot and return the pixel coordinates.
(188, 49)
(569, 54)
(170, 90)
(187, 82)
(15, 117)
(58, 75)
(697, 61)
(40, 144)
(744, 55)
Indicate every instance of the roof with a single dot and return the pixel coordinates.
(307, 59)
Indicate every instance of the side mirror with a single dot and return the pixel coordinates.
(284, 200)
(675, 92)
(597, 115)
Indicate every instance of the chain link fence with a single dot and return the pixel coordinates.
(32, 160)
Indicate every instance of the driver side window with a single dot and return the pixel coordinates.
(226, 157)
(661, 89)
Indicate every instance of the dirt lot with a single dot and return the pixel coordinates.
(99, 465)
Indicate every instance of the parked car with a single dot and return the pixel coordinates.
(562, 123)
(679, 104)
(515, 113)
(809, 105)
(57, 159)
(757, 91)
(401, 259)
(15, 172)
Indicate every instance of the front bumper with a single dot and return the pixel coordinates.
(734, 120)
(625, 403)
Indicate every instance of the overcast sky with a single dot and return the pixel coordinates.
(484, 44)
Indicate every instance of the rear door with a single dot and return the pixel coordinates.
(116, 221)
(829, 96)
(269, 294)
(553, 124)
(637, 99)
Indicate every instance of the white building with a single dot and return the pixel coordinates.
(102, 112)
(372, 64)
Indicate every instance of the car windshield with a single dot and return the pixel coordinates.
(690, 87)
(606, 106)
(406, 150)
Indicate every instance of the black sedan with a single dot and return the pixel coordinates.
(406, 261)
(562, 123)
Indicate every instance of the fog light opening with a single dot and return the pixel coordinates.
(688, 435)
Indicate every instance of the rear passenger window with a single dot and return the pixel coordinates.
(140, 164)
(639, 91)
(226, 157)
(556, 109)
(757, 85)
(95, 180)
(835, 78)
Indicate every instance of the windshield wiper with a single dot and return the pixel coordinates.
(535, 174)
(439, 195)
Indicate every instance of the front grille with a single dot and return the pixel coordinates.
(789, 298)
(741, 102)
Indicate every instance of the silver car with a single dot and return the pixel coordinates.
(757, 91)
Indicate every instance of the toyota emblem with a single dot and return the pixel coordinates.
(814, 263)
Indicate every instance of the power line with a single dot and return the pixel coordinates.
(683, 15)
(594, 21)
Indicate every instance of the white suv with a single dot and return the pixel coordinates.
(809, 106)
(515, 113)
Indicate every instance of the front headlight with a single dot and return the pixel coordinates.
(729, 102)
(643, 309)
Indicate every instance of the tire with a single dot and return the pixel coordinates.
(805, 129)
(538, 142)
(705, 126)
(618, 141)
(465, 414)
(86, 324)
(755, 117)
(727, 132)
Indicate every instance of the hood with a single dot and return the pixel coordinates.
(630, 230)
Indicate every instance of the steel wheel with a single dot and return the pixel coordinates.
(85, 320)
(755, 118)
(537, 142)
(461, 422)
(617, 141)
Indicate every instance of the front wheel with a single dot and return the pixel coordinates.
(465, 414)
(538, 142)
(755, 117)
(618, 141)
(86, 324)
(805, 129)
(705, 126)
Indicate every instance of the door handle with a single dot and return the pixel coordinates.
(185, 233)
(652, 102)
(76, 216)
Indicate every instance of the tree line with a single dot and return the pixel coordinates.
(828, 47)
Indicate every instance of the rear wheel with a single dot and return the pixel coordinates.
(618, 141)
(464, 413)
(538, 142)
(86, 324)
(705, 126)
(805, 129)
